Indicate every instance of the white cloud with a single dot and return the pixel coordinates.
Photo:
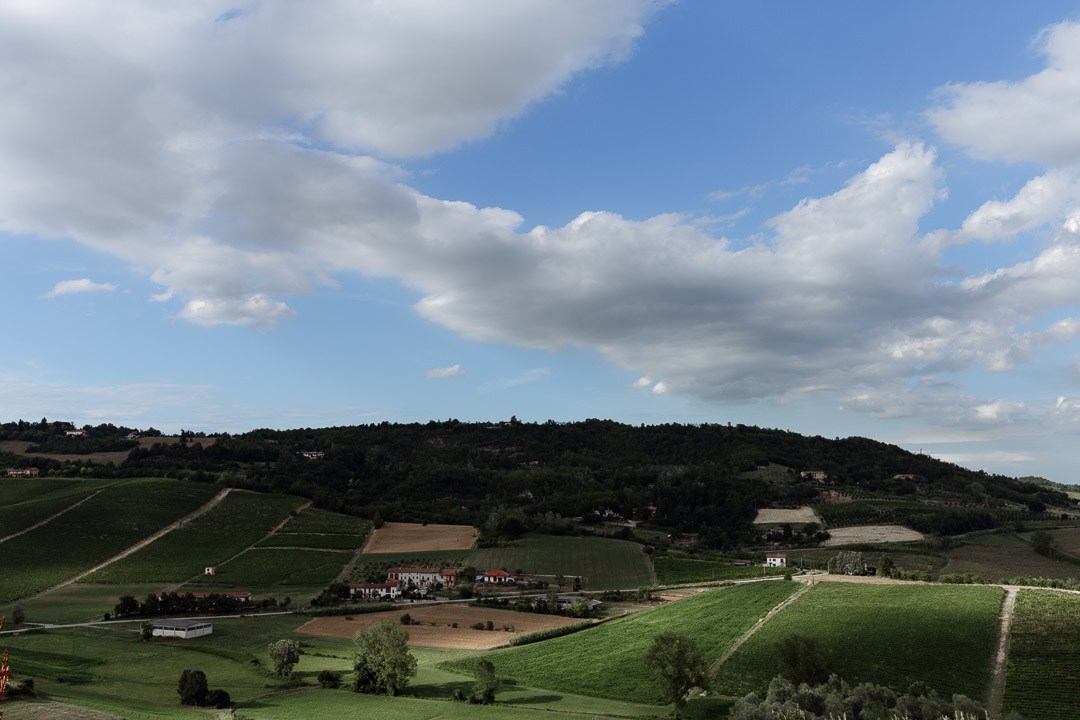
(660, 388)
(445, 372)
(642, 382)
(85, 285)
(506, 383)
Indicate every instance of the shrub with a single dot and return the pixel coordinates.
(329, 679)
(219, 699)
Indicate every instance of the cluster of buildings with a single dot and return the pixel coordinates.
(399, 579)
(22, 472)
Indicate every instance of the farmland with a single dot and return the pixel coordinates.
(240, 520)
(313, 520)
(605, 564)
(1001, 561)
(871, 534)
(876, 512)
(105, 525)
(673, 571)
(1044, 656)
(44, 500)
(411, 537)
(887, 634)
(373, 568)
(607, 661)
(313, 540)
(278, 567)
(17, 490)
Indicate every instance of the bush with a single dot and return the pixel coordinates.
(329, 679)
(406, 619)
(219, 699)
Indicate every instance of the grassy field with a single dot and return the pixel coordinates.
(313, 520)
(608, 660)
(114, 520)
(1043, 678)
(887, 634)
(241, 519)
(278, 567)
(343, 542)
(605, 563)
(78, 602)
(672, 571)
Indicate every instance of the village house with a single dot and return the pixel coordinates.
(496, 576)
(181, 628)
(423, 577)
(313, 454)
(818, 475)
(776, 560)
(76, 433)
(374, 591)
(23, 472)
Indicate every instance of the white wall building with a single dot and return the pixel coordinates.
(775, 560)
(181, 628)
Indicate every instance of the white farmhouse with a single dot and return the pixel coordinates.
(776, 560)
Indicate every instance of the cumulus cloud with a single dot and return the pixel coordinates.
(445, 372)
(642, 382)
(85, 285)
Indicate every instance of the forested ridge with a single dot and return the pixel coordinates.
(694, 478)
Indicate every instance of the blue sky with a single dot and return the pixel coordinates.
(839, 219)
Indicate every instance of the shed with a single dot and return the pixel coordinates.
(181, 628)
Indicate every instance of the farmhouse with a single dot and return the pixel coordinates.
(422, 577)
(776, 560)
(374, 591)
(497, 576)
(565, 602)
(76, 433)
(813, 474)
(181, 628)
(22, 472)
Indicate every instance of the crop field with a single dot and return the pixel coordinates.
(778, 516)
(871, 534)
(863, 512)
(1068, 540)
(436, 625)
(15, 490)
(888, 634)
(105, 525)
(672, 571)
(608, 660)
(1002, 562)
(316, 540)
(20, 515)
(313, 520)
(1043, 677)
(605, 564)
(278, 567)
(413, 537)
(240, 520)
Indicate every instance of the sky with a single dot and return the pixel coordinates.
(834, 218)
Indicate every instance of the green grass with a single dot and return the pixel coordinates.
(79, 603)
(887, 634)
(16, 490)
(673, 571)
(608, 660)
(313, 520)
(344, 542)
(79, 703)
(606, 564)
(1043, 679)
(279, 567)
(114, 520)
(240, 520)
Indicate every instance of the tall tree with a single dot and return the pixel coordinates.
(484, 687)
(192, 688)
(382, 660)
(680, 665)
(284, 654)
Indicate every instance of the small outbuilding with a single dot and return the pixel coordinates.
(776, 560)
(181, 628)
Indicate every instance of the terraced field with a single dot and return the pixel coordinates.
(604, 563)
(240, 520)
(608, 660)
(888, 634)
(1043, 678)
(105, 525)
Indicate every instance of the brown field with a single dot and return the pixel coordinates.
(411, 537)
(435, 625)
(779, 516)
(872, 534)
(1068, 540)
(19, 448)
(1002, 563)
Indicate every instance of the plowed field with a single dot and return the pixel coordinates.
(411, 537)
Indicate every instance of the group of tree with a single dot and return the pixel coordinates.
(178, 604)
(193, 690)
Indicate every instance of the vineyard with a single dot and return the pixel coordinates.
(278, 567)
(888, 634)
(877, 512)
(240, 520)
(309, 540)
(369, 570)
(673, 571)
(605, 564)
(312, 520)
(1043, 679)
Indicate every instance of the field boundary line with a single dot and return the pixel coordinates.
(51, 517)
(141, 544)
(998, 670)
(757, 626)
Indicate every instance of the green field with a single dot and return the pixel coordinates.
(673, 571)
(313, 520)
(16, 490)
(278, 567)
(1043, 678)
(343, 542)
(240, 520)
(78, 602)
(887, 634)
(608, 660)
(113, 521)
(19, 514)
(605, 564)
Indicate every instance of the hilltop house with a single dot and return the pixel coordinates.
(422, 577)
(818, 475)
(776, 560)
(374, 591)
(181, 628)
(76, 433)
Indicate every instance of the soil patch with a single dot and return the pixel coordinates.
(779, 516)
(442, 633)
(412, 537)
(872, 534)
